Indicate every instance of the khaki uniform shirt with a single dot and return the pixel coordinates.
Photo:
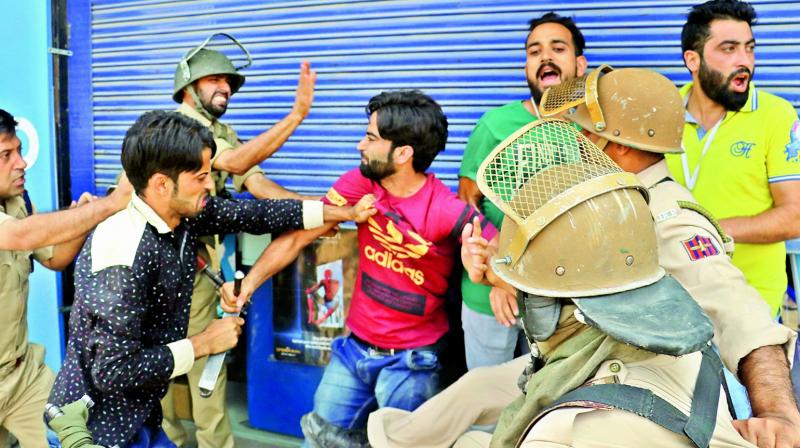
(15, 267)
(226, 139)
(691, 249)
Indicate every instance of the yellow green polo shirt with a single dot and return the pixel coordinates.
(752, 148)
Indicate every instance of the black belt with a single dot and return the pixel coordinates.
(377, 350)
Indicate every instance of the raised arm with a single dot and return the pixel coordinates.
(262, 187)
(244, 157)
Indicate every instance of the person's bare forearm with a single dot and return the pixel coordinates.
(65, 253)
(47, 229)
(280, 253)
(765, 374)
(335, 214)
(262, 187)
(772, 226)
(255, 151)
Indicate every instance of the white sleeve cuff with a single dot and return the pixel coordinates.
(183, 354)
(312, 214)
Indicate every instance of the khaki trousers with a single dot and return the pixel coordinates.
(670, 378)
(209, 414)
(477, 398)
(23, 394)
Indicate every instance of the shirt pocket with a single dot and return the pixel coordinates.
(14, 269)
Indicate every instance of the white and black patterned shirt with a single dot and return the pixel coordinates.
(133, 288)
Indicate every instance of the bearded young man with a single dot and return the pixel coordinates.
(554, 50)
(407, 249)
(741, 144)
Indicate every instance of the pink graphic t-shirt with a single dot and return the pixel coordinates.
(406, 253)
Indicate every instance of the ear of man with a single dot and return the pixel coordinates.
(160, 185)
(403, 154)
(691, 59)
(581, 65)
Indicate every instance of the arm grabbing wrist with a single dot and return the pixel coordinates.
(360, 212)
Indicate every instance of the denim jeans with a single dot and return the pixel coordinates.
(357, 381)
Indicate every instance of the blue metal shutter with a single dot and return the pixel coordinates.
(466, 54)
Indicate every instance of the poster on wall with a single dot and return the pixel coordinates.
(325, 298)
(311, 298)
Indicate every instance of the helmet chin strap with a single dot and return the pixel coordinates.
(198, 105)
(601, 143)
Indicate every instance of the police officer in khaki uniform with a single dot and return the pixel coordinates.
(622, 344)
(690, 248)
(25, 380)
(204, 81)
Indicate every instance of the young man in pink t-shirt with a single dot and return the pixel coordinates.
(406, 254)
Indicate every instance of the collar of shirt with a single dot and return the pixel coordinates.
(13, 206)
(149, 214)
(189, 111)
(750, 106)
(654, 173)
(217, 128)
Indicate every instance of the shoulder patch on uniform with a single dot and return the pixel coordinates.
(695, 207)
(669, 214)
(336, 198)
(699, 247)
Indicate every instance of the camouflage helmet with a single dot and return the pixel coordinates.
(201, 62)
(634, 107)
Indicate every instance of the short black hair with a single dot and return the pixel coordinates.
(567, 22)
(409, 117)
(695, 31)
(163, 142)
(8, 125)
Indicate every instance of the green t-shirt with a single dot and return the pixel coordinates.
(494, 126)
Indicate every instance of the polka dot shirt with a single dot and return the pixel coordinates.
(123, 316)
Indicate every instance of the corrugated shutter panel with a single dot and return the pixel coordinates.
(466, 54)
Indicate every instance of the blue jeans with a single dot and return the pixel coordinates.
(357, 381)
(487, 342)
